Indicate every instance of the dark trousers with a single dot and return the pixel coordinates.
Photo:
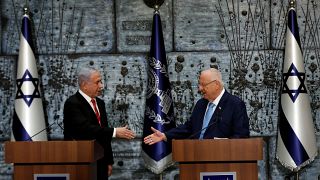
(102, 170)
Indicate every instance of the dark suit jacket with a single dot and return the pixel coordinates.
(80, 123)
(230, 120)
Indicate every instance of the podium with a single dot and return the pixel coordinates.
(72, 160)
(200, 159)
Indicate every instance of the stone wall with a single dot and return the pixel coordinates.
(244, 39)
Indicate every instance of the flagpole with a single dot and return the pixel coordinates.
(297, 175)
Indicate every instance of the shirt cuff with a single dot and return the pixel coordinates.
(114, 132)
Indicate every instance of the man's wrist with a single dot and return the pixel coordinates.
(164, 137)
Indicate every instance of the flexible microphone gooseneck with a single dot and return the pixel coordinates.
(30, 138)
(218, 118)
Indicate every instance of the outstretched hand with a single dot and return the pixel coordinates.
(124, 132)
(155, 137)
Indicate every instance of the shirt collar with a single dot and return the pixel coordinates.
(216, 101)
(88, 98)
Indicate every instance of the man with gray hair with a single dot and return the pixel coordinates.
(85, 118)
(218, 114)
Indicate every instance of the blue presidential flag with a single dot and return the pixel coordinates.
(159, 103)
(296, 145)
(28, 119)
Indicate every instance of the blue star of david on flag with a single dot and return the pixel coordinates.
(294, 93)
(28, 98)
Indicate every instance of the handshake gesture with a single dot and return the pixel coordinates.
(125, 133)
(157, 136)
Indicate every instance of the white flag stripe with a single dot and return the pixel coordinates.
(285, 154)
(293, 53)
(33, 118)
(298, 118)
(26, 59)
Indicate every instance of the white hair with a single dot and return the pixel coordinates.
(216, 75)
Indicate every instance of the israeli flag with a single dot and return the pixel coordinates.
(296, 145)
(28, 119)
(159, 103)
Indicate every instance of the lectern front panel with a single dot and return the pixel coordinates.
(76, 172)
(243, 171)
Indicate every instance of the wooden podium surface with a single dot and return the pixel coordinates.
(239, 156)
(76, 158)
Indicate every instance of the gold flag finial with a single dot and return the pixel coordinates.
(25, 10)
(155, 4)
(292, 3)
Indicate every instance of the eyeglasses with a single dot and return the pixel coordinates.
(204, 85)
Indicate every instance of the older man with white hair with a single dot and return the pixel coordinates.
(218, 114)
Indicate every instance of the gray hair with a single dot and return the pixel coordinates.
(216, 75)
(84, 74)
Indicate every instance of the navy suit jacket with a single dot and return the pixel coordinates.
(80, 123)
(230, 120)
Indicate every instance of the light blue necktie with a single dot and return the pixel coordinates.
(207, 117)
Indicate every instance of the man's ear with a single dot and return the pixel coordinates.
(83, 85)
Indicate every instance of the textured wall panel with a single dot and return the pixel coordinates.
(7, 94)
(134, 25)
(7, 89)
(6, 170)
(61, 27)
(308, 21)
(221, 24)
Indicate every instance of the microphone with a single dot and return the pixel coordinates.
(218, 118)
(30, 138)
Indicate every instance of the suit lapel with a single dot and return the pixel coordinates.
(87, 107)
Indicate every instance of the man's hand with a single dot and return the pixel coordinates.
(124, 132)
(109, 170)
(157, 136)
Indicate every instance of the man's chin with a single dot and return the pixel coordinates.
(204, 96)
(99, 93)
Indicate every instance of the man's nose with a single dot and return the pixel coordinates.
(101, 85)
